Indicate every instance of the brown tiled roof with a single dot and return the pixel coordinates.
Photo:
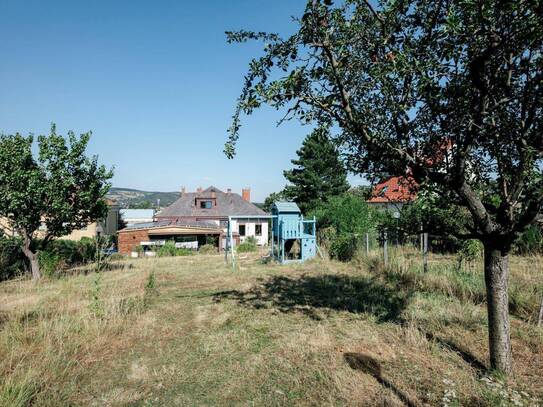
(228, 204)
(394, 189)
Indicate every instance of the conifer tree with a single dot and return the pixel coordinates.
(318, 173)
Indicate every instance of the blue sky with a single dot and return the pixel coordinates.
(156, 82)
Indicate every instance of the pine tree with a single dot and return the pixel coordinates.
(318, 172)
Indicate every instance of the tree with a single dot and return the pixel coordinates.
(318, 173)
(271, 198)
(343, 222)
(145, 204)
(60, 187)
(451, 91)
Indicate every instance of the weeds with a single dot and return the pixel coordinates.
(17, 394)
(96, 305)
(318, 333)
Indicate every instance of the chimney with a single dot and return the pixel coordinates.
(199, 190)
(183, 190)
(246, 194)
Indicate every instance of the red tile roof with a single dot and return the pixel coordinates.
(394, 189)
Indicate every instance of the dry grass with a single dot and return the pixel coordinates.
(322, 333)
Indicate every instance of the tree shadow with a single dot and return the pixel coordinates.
(311, 295)
(371, 366)
(461, 351)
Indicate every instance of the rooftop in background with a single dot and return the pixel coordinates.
(394, 189)
(212, 203)
(134, 214)
(172, 223)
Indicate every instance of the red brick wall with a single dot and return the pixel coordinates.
(129, 240)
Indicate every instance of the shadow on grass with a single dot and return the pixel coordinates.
(91, 268)
(369, 365)
(312, 294)
(465, 354)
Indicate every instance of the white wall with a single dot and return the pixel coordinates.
(250, 230)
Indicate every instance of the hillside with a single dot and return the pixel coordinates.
(127, 196)
(188, 331)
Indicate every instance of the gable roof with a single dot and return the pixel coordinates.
(228, 204)
(394, 189)
(286, 207)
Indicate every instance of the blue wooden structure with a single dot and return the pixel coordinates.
(289, 226)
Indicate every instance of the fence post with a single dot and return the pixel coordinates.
(367, 244)
(425, 252)
(385, 247)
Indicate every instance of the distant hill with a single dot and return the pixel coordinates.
(127, 197)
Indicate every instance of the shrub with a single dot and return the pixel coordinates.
(58, 254)
(12, 260)
(470, 250)
(169, 250)
(342, 222)
(50, 263)
(116, 257)
(207, 249)
(344, 247)
(530, 242)
(248, 245)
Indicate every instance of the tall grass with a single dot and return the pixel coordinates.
(465, 284)
(50, 339)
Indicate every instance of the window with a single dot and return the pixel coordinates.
(206, 204)
(241, 229)
(258, 230)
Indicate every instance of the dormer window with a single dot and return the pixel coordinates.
(206, 204)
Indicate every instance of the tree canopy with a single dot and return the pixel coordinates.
(318, 172)
(58, 190)
(449, 92)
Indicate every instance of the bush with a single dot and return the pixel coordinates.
(12, 260)
(344, 247)
(470, 250)
(207, 249)
(530, 242)
(58, 254)
(248, 245)
(50, 263)
(169, 250)
(342, 223)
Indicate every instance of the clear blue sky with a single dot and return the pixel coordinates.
(155, 81)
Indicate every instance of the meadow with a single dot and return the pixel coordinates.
(190, 331)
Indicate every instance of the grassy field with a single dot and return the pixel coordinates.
(188, 331)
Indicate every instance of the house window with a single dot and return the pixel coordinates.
(206, 204)
(241, 229)
(258, 230)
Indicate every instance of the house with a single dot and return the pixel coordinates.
(198, 216)
(103, 227)
(134, 216)
(393, 193)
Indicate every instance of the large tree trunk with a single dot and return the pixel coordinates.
(496, 274)
(32, 258)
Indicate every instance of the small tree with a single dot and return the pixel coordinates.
(58, 190)
(318, 173)
(451, 90)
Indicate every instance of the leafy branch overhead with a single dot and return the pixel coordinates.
(404, 81)
(449, 94)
